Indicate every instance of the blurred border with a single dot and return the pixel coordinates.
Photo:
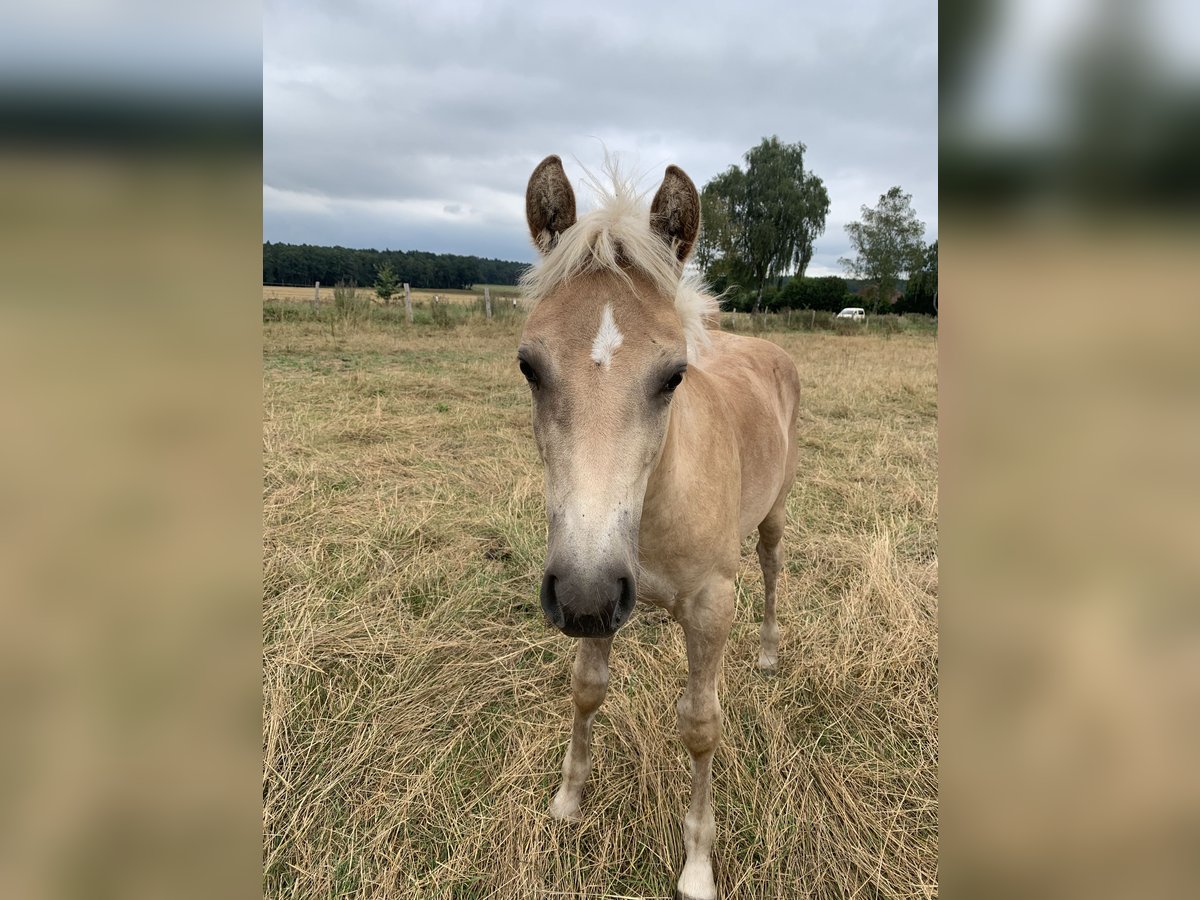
(1070, 435)
(130, 535)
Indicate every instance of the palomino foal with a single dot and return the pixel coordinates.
(664, 445)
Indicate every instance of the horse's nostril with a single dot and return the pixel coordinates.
(550, 604)
(625, 602)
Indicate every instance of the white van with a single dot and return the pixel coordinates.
(852, 312)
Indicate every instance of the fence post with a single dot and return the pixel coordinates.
(487, 301)
(407, 303)
(316, 296)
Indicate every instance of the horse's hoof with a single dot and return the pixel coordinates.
(565, 811)
(696, 885)
(768, 665)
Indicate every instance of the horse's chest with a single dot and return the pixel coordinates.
(656, 588)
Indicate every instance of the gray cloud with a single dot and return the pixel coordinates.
(416, 127)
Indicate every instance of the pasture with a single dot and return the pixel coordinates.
(273, 293)
(417, 706)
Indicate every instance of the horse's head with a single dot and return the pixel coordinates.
(604, 349)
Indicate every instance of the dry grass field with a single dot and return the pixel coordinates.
(417, 707)
(273, 293)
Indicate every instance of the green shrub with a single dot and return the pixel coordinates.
(826, 293)
(770, 298)
(736, 299)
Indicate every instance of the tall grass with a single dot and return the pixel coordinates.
(417, 707)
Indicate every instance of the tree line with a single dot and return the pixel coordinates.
(304, 264)
(760, 224)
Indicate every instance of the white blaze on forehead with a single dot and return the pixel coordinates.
(607, 340)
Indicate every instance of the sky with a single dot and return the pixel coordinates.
(415, 126)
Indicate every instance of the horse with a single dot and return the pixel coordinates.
(664, 443)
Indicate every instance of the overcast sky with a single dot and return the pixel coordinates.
(414, 126)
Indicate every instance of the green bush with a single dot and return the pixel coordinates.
(826, 292)
(736, 300)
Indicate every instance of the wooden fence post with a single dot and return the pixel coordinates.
(487, 301)
(407, 303)
(316, 296)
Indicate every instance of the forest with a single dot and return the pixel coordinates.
(304, 264)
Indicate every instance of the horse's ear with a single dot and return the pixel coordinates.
(549, 203)
(675, 212)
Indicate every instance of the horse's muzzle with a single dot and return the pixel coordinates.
(588, 607)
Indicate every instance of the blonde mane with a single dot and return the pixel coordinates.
(614, 237)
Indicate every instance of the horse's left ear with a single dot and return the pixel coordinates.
(549, 203)
(675, 212)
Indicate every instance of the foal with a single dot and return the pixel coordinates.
(664, 445)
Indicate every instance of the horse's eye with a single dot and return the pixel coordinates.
(527, 371)
(673, 382)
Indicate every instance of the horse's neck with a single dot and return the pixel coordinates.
(667, 524)
(699, 468)
(663, 487)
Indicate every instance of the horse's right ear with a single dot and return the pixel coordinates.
(675, 212)
(549, 203)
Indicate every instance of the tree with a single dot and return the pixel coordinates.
(826, 293)
(920, 295)
(386, 284)
(717, 238)
(761, 222)
(887, 244)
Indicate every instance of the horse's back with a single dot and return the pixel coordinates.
(761, 389)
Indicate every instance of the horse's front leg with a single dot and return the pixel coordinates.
(706, 620)
(589, 682)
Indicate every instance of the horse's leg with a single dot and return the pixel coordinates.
(770, 557)
(589, 682)
(706, 623)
